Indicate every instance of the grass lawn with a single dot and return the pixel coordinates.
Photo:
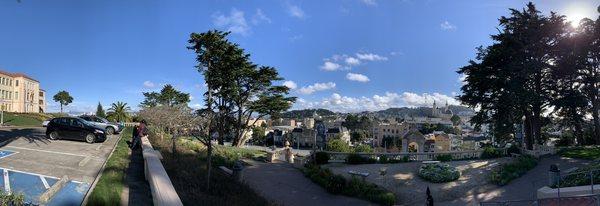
(109, 187)
(591, 153)
(15, 119)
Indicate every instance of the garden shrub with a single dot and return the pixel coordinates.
(438, 173)
(337, 184)
(444, 158)
(12, 199)
(581, 177)
(510, 171)
(322, 158)
(357, 159)
(363, 148)
(513, 149)
(490, 152)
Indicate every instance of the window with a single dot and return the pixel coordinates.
(17, 93)
(17, 83)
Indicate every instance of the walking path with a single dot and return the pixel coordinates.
(283, 184)
(137, 190)
(525, 187)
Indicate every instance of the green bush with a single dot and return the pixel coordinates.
(11, 199)
(590, 153)
(513, 149)
(444, 158)
(322, 158)
(490, 152)
(357, 159)
(338, 145)
(510, 171)
(581, 177)
(385, 160)
(337, 184)
(363, 148)
(438, 173)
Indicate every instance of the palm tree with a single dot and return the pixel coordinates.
(119, 111)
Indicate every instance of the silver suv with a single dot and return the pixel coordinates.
(101, 123)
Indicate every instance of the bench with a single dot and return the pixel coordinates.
(226, 170)
(431, 162)
(513, 155)
(360, 174)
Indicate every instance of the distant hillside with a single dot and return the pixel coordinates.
(298, 114)
(414, 112)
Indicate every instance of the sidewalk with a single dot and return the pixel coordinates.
(283, 184)
(137, 190)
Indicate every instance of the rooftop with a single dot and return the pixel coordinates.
(17, 74)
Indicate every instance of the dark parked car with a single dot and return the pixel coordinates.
(74, 128)
(101, 123)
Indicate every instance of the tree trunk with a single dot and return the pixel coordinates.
(528, 137)
(61, 108)
(595, 117)
(208, 164)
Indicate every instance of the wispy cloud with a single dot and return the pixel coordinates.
(149, 84)
(340, 103)
(447, 26)
(331, 66)
(316, 87)
(295, 11)
(369, 2)
(259, 17)
(371, 57)
(235, 22)
(290, 84)
(357, 77)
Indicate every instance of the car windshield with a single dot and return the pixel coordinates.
(84, 121)
(103, 120)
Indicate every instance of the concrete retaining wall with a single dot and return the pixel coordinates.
(547, 192)
(163, 192)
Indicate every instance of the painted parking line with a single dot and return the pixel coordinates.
(6, 153)
(47, 151)
(32, 186)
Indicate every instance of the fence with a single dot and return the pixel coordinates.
(571, 184)
(586, 200)
(416, 156)
(541, 150)
(163, 192)
(131, 124)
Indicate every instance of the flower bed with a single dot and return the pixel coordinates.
(513, 170)
(438, 173)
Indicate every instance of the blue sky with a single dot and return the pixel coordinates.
(344, 55)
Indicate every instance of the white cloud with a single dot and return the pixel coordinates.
(447, 26)
(370, 57)
(357, 77)
(290, 84)
(235, 22)
(259, 17)
(339, 103)
(330, 66)
(316, 87)
(296, 11)
(149, 84)
(369, 2)
(462, 79)
(352, 61)
(196, 106)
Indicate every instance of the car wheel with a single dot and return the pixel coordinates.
(110, 131)
(89, 138)
(53, 135)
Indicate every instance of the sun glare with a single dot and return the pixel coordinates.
(575, 12)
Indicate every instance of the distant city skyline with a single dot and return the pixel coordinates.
(345, 56)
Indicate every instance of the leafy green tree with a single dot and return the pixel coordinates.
(100, 111)
(363, 148)
(338, 145)
(455, 120)
(168, 96)
(511, 80)
(238, 88)
(359, 136)
(63, 98)
(119, 112)
(258, 135)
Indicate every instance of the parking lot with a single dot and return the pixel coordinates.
(32, 165)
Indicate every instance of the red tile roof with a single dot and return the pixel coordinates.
(18, 74)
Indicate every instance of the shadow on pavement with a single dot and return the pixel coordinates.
(32, 135)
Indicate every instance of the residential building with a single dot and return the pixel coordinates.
(339, 132)
(304, 137)
(308, 123)
(21, 93)
(392, 129)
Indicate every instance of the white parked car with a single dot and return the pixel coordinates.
(101, 123)
(45, 123)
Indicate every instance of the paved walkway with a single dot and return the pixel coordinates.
(137, 190)
(283, 184)
(525, 187)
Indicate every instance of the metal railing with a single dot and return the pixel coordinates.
(584, 200)
(412, 156)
